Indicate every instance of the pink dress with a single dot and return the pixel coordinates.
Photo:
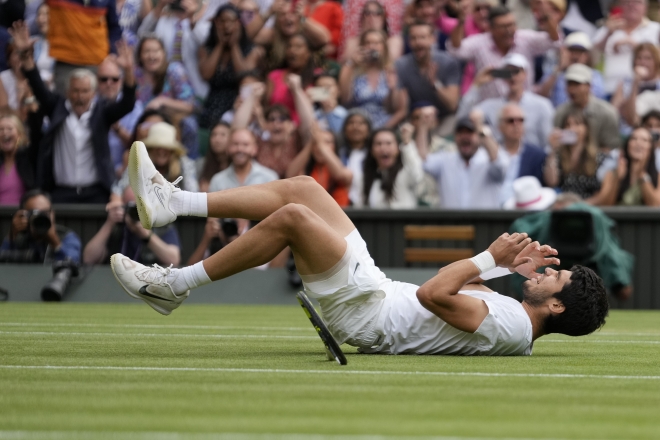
(11, 186)
(281, 94)
(446, 25)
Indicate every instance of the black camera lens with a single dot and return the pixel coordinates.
(229, 227)
(39, 223)
(132, 212)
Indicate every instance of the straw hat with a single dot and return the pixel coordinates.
(163, 135)
(530, 195)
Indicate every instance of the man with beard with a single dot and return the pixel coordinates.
(451, 314)
(429, 75)
(470, 178)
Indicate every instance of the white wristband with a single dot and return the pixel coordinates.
(484, 262)
(495, 273)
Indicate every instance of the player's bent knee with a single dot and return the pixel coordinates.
(293, 214)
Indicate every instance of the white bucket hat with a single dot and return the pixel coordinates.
(529, 195)
(163, 135)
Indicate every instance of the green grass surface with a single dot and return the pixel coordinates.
(206, 372)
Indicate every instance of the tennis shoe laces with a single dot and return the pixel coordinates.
(153, 192)
(152, 285)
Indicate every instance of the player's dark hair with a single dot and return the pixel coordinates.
(585, 302)
(496, 12)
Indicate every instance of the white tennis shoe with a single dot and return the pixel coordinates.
(150, 284)
(152, 191)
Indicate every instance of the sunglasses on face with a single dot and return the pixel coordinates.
(104, 79)
(514, 120)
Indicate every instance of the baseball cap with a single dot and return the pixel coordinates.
(579, 73)
(465, 122)
(516, 59)
(578, 40)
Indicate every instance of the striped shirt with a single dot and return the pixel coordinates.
(481, 50)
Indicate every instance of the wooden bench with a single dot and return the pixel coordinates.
(440, 233)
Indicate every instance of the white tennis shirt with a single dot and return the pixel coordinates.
(411, 329)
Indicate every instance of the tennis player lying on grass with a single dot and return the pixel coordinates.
(450, 314)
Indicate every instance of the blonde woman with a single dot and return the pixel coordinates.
(16, 160)
(368, 81)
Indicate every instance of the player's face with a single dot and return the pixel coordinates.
(536, 292)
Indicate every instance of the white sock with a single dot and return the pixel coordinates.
(188, 278)
(189, 203)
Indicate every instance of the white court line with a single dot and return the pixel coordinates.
(133, 435)
(151, 335)
(331, 372)
(202, 327)
(193, 335)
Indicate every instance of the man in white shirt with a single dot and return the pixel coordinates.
(450, 314)
(472, 176)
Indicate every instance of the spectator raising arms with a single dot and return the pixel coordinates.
(329, 14)
(131, 13)
(16, 160)
(74, 157)
(392, 175)
(15, 92)
(217, 156)
(45, 63)
(635, 180)
(368, 82)
(373, 18)
(165, 85)
(226, 53)
(575, 159)
(319, 160)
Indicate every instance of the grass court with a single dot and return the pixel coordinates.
(119, 371)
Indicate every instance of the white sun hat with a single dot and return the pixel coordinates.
(529, 195)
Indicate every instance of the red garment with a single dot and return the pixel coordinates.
(331, 16)
(281, 94)
(321, 174)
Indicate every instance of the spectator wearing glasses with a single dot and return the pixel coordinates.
(537, 109)
(373, 18)
(110, 84)
(576, 50)
(74, 161)
(602, 117)
(429, 75)
(489, 48)
(522, 159)
(619, 36)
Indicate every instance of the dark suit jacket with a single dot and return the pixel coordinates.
(104, 114)
(531, 162)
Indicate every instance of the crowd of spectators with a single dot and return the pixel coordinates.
(386, 103)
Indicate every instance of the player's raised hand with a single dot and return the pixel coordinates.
(533, 257)
(507, 247)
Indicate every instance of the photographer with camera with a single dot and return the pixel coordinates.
(123, 232)
(34, 237)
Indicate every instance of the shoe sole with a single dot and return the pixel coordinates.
(154, 306)
(331, 345)
(135, 180)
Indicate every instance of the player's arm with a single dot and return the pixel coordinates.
(440, 294)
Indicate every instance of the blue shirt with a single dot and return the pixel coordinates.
(69, 248)
(559, 96)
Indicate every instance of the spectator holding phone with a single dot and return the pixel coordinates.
(634, 182)
(576, 50)
(645, 78)
(625, 28)
(122, 232)
(226, 53)
(319, 160)
(325, 94)
(575, 159)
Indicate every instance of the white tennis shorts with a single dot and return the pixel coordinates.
(351, 295)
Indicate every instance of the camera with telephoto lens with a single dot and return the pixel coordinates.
(132, 211)
(56, 288)
(39, 223)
